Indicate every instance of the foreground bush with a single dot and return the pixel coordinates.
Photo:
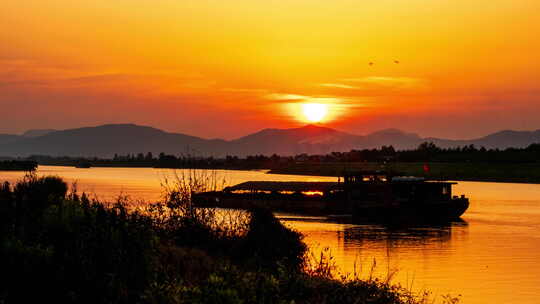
(71, 249)
(65, 248)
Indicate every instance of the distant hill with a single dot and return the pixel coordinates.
(37, 132)
(398, 139)
(7, 138)
(502, 139)
(313, 139)
(106, 140)
(309, 139)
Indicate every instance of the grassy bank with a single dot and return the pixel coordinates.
(493, 172)
(59, 246)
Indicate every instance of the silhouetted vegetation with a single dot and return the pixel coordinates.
(18, 165)
(426, 152)
(61, 247)
(460, 163)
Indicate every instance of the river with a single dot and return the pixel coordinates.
(491, 256)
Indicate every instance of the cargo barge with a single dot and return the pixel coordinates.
(362, 195)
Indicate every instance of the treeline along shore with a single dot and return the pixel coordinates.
(18, 165)
(467, 163)
(59, 246)
(460, 163)
(482, 172)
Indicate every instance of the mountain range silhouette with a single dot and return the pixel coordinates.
(107, 140)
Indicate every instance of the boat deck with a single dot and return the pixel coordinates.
(284, 186)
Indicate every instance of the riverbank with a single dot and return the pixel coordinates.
(70, 249)
(481, 172)
(463, 171)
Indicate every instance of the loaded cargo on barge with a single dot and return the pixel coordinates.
(364, 195)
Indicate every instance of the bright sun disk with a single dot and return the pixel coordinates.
(314, 112)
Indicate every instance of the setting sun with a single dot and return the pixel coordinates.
(314, 112)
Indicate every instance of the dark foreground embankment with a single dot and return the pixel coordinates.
(60, 247)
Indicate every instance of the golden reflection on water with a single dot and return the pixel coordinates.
(491, 256)
(142, 183)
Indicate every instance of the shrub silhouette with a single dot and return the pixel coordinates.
(271, 244)
(68, 249)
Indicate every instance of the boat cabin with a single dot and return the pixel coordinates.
(371, 185)
(283, 188)
(364, 176)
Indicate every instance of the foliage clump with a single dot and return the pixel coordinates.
(59, 246)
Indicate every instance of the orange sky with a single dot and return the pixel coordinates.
(227, 68)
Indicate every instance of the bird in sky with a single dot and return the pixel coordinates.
(396, 61)
(371, 63)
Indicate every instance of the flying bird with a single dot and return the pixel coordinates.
(396, 62)
(371, 63)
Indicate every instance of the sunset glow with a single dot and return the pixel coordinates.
(255, 151)
(314, 112)
(178, 65)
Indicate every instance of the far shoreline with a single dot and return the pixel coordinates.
(493, 180)
(322, 173)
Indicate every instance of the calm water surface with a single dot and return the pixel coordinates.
(492, 256)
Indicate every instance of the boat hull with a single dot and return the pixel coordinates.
(427, 211)
(312, 206)
(361, 211)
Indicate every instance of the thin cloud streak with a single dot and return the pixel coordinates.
(397, 82)
(285, 97)
(337, 100)
(244, 90)
(338, 85)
